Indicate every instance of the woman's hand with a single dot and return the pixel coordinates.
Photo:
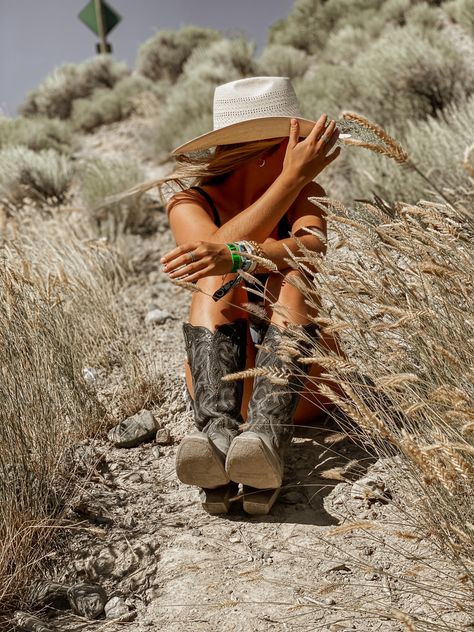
(210, 259)
(305, 159)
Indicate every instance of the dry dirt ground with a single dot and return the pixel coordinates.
(332, 555)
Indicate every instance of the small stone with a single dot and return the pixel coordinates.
(29, 623)
(368, 550)
(157, 316)
(116, 608)
(235, 539)
(196, 532)
(88, 600)
(163, 437)
(89, 374)
(156, 452)
(370, 489)
(134, 430)
(103, 565)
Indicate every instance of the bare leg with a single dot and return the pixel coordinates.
(293, 309)
(206, 312)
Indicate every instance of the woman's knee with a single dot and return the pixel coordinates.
(285, 299)
(204, 310)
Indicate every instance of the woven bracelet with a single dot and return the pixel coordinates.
(236, 258)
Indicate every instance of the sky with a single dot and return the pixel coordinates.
(38, 35)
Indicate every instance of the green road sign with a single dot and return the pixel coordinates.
(89, 17)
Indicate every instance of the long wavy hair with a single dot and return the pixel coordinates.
(200, 168)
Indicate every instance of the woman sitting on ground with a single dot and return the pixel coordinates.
(252, 190)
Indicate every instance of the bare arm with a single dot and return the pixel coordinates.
(303, 161)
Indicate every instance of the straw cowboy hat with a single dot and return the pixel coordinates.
(255, 108)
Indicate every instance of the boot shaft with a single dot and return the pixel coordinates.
(275, 398)
(212, 355)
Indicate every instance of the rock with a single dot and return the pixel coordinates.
(370, 489)
(103, 565)
(157, 316)
(89, 374)
(88, 600)
(29, 623)
(163, 437)
(116, 608)
(134, 430)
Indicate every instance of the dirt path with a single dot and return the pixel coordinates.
(144, 536)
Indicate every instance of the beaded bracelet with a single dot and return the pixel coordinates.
(248, 265)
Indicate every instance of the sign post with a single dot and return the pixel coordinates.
(101, 19)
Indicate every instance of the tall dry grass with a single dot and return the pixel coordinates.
(396, 287)
(58, 317)
(398, 291)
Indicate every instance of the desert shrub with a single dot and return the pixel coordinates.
(311, 22)
(406, 75)
(324, 88)
(56, 93)
(462, 11)
(38, 175)
(36, 133)
(436, 143)
(99, 179)
(162, 57)
(280, 60)
(106, 106)
(344, 45)
(187, 111)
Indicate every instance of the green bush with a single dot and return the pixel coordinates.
(162, 57)
(437, 144)
(462, 11)
(38, 175)
(407, 74)
(107, 106)
(187, 111)
(56, 93)
(36, 133)
(282, 60)
(99, 179)
(311, 22)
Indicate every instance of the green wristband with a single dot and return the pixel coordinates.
(236, 258)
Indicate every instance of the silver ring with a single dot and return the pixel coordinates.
(192, 255)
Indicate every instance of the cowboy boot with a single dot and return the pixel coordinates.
(256, 456)
(200, 459)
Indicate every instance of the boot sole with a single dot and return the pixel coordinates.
(197, 463)
(259, 502)
(250, 462)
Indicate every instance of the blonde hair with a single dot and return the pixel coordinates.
(209, 167)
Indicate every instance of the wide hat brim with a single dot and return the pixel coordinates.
(246, 131)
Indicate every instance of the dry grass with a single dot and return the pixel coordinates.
(398, 288)
(403, 291)
(58, 316)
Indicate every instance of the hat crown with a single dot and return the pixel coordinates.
(254, 97)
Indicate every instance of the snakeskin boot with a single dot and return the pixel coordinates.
(255, 457)
(200, 459)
